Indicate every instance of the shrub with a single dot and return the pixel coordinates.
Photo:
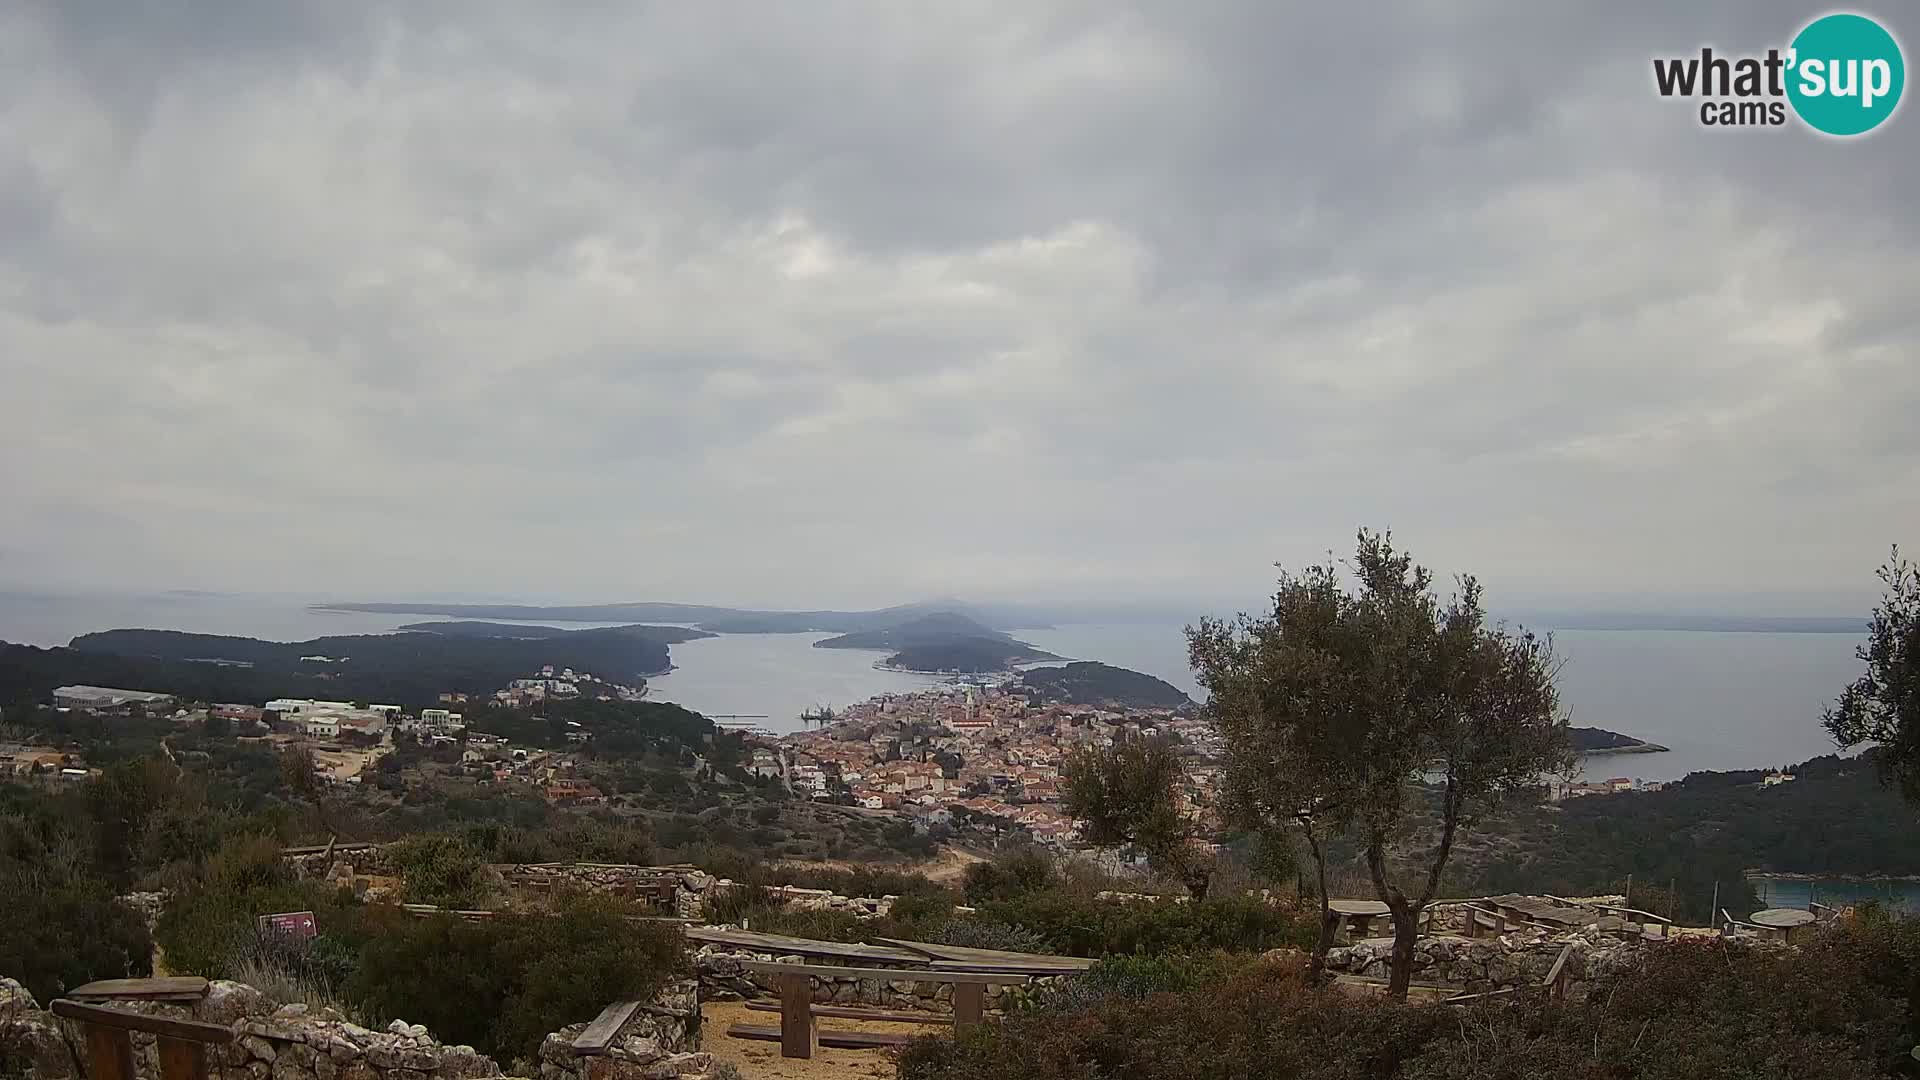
(1079, 925)
(1012, 874)
(500, 985)
(972, 932)
(1830, 1011)
(1133, 977)
(440, 869)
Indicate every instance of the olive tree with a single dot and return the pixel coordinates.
(1378, 710)
(1882, 706)
(1129, 797)
(1268, 690)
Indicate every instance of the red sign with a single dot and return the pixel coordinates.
(289, 926)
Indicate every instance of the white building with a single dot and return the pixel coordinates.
(322, 726)
(301, 706)
(437, 721)
(106, 697)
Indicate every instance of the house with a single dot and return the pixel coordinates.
(567, 787)
(239, 712)
(1775, 779)
(286, 707)
(322, 726)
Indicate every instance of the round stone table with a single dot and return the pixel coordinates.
(1783, 919)
(1358, 914)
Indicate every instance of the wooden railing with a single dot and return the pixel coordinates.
(798, 1033)
(109, 1032)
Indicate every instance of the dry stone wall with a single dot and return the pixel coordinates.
(1476, 965)
(296, 1042)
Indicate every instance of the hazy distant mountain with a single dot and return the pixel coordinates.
(670, 635)
(720, 620)
(943, 642)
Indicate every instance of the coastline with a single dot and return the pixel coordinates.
(1639, 748)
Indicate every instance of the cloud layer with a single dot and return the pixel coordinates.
(856, 302)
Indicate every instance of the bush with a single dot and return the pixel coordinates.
(973, 932)
(1013, 874)
(1832, 1010)
(1079, 925)
(60, 925)
(440, 869)
(1135, 978)
(500, 985)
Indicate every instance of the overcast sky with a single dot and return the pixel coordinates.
(815, 303)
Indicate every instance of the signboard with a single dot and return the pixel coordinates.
(289, 926)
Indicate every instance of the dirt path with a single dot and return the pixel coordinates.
(762, 1061)
(946, 868)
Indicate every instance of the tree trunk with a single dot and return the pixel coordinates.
(1406, 929)
(1317, 967)
(1406, 920)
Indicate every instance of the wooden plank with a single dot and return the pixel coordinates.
(109, 1053)
(780, 943)
(598, 1035)
(836, 1040)
(192, 1030)
(182, 1059)
(987, 959)
(1038, 971)
(826, 971)
(799, 1031)
(844, 1012)
(141, 989)
(969, 1005)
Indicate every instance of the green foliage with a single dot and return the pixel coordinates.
(974, 932)
(502, 984)
(61, 925)
(1134, 977)
(440, 869)
(1075, 924)
(1340, 706)
(1883, 705)
(211, 928)
(1128, 797)
(1835, 1010)
(1012, 873)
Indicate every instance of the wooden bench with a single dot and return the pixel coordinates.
(182, 1043)
(178, 988)
(799, 1033)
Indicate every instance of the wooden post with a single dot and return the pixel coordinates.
(109, 1053)
(969, 1005)
(181, 1059)
(1715, 909)
(799, 1034)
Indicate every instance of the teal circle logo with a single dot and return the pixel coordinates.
(1845, 74)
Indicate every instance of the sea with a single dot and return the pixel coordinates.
(1716, 700)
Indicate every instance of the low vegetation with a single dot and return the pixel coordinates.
(1839, 1009)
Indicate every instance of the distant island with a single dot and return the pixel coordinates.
(408, 668)
(719, 620)
(1720, 624)
(669, 635)
(1592, 741)
(941, 643)
(1085, 682)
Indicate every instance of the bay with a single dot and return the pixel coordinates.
(1718, 700)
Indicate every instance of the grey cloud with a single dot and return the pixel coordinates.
(852, 302)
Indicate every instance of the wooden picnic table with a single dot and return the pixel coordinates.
(1782, 919)
(1545, 912)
